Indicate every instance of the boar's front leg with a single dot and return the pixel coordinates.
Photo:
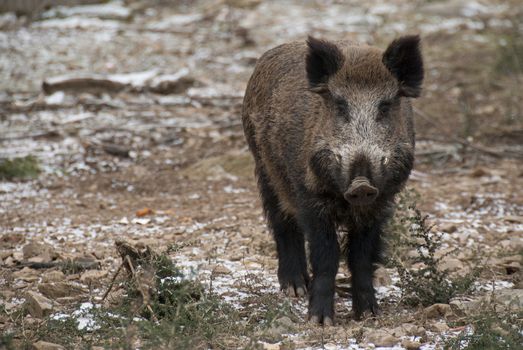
(324, 257)
(364, 251)
(290, 242)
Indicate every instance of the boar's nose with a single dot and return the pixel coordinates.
(361, 192)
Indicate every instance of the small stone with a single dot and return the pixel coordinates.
(38, 305)
(382, 277)
(516, 219)
(450, 264)
(463, 307)
(4, 254)
(269, 346)
(221, 270)
(410, 345)
(479, 172)
(55, 290)
(144, 212)
(53, 276)
(408, 329)
(18, 256)
(511, 299)
(43, 345)
(9, 261)
(35, 249)
(11, 240)
(381, 337)
(93, 276)
(437, 311)
(513, 243)
(285, 322)
(448, 227)
(26, 274)
(439, 327)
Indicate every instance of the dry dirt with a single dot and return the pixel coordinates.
(179, 150)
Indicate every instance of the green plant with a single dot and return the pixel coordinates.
(19, 168)
(510, 54)
(490, 329)
(428, 283)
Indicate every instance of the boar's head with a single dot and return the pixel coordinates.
(365, 151)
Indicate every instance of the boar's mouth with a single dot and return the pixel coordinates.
(361, 192)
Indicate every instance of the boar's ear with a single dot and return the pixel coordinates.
(404, 61)
(323, 60)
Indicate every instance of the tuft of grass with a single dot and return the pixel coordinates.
(510, 55)
(490, 330)
(428, 284)
(6, 341)
(19, 168)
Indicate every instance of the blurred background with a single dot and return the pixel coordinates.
(122, 119)
(140, 74)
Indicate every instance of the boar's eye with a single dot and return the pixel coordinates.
(385, 107)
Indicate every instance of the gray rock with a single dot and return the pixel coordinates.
(38, 305)
(437, 311)
(43, 345)
(381, 337)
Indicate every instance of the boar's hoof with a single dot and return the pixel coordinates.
(372, 312)
(293, 292)
(327, 321)
(321, 310)
(293, 284)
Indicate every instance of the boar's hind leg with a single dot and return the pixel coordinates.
(324, 257)
(364, 251)
(292, 264)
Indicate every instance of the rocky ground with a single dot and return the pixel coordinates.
(132, 112)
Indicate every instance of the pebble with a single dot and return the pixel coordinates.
(55, 290)
(43, 345)
(38, 305)
(439, 327)
(410, 345)
(437, 311)
(381, 337)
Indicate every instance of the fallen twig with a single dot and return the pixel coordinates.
(81, 265)
(41, 134)
(112, 282)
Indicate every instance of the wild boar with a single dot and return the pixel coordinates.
(331, 130)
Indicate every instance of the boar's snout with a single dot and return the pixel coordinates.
(361, 192)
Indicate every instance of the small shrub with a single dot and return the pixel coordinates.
(510, 55)
(490, 330)
(429, 284)
(19, 168)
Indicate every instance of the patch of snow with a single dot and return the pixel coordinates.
(176, 21)
(55, 99)
(494, 285)
(111, 10)
(230, 189)
(77, 22)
